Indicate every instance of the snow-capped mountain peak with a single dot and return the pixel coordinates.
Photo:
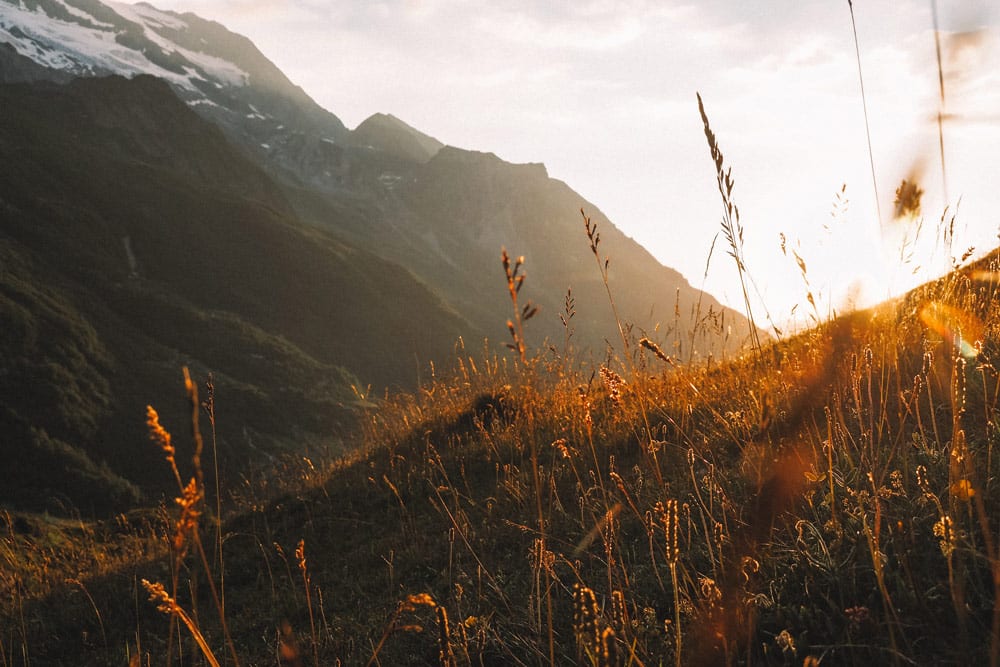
(125, 39)
(218, 73)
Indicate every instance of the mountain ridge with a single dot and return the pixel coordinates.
(243, 231)
(390, 134)
(129, 254)
(363, 186)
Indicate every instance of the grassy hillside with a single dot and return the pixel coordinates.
(830, 502)
(136, 240)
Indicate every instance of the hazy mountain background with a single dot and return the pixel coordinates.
(206, 212)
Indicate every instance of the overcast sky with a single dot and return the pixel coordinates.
(604, 94)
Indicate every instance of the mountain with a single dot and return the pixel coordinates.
(15, 68)
(208, 66)
(446, 219)
(135, 239)
(386, 133)
(207, 212)
(471, 204)
(386, 187)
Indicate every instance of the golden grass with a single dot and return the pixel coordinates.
(831, 504)
(828, 498)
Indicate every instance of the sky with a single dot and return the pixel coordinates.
(603, 93)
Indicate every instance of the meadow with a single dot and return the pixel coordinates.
(827, 497)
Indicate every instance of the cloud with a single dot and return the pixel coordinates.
(584, 33)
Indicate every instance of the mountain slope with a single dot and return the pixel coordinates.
(217, 72)
(15, 68)
(137, 240)
(387, 133)
(170, 242)
(448, 218)
(474, 203)
(207, 65)
(386, 187)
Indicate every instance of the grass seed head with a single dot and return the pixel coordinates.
(614, 384)
(670, 513)
(585, 620)
(188, 522)
(159, 435)
(944, 530)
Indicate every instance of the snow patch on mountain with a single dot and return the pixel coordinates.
(83, 50)
(150, 15)
(61, 45)
(150, 18)
(219, 74)
(205, 101)
(79, 13)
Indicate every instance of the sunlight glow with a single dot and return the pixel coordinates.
(960, 329)
(604, 95)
